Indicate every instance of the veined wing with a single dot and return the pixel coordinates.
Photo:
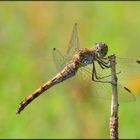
(59, 59)
(104, 90)
(86, 72)
(73, 43)
(129, 67)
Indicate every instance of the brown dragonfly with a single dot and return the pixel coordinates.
(76, 59)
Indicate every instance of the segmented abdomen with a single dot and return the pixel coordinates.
(68, 71)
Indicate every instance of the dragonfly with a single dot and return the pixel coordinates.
(77, 58)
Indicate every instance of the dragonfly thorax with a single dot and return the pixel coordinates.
(87, 61)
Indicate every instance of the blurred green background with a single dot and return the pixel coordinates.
(28, 33)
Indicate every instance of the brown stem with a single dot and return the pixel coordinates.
(114, 105)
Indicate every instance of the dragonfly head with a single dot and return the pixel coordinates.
(101, 50)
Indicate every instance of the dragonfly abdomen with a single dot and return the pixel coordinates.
(68, 71)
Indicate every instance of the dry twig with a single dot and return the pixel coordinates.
(114, 105)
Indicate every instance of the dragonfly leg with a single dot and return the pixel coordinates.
(106, 62)
(103, 63)
(94, 75)
(109, 75)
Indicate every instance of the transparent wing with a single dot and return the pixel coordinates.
(85, 73)
(129, 67)
(59, 59)
(104, 90)
(73, 43)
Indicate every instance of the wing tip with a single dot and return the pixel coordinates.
(138, 61)
(127, 89)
